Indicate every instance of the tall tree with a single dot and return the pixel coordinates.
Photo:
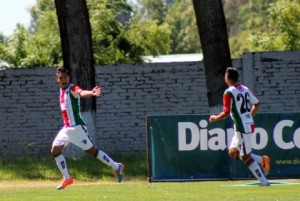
(76, 42)
(214, 41)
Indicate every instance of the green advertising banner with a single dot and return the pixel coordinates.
(188, 147)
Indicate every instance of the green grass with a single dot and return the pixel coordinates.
(35, 179)
(84, 168)
(139, 191)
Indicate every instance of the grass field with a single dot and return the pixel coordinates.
(35, 179)
(140, 191)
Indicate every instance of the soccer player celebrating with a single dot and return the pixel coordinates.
(75, 130)
(242, 105)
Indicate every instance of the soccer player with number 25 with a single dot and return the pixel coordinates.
(75, 130)
(242, 105)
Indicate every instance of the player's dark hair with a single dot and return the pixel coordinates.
(232, 74)
(62, 69)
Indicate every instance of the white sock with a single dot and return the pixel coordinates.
(257, 158)
(256, 171)
(103, 157)
(62, 166)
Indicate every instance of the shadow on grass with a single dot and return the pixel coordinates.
(84, 168)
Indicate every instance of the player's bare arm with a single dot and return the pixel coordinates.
(218, 117)
(96, 91)
(254, 109)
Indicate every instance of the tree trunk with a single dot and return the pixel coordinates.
(214, 41)
(76, 42)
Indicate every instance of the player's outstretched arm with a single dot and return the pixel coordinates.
(96, 91)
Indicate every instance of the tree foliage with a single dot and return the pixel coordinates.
(153, 9)
(121, 32)
(262, 25)
(283, 32)
(113, 40)
(185, 36)
(151, 36)
(37, 46)
(180, 16)
(110, 42)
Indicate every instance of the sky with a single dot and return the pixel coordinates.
(13, 12)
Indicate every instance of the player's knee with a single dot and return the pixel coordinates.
(247, 159)
(234, 153)
(56, 150)
(55, 153)
(92, 152)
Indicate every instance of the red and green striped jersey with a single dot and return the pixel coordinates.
(70, 105)
(238, 100)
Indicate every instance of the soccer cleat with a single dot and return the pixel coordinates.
(65, 183)
(119, 172)
(265, 164)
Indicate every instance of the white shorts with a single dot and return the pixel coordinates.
(242, 142)
(78, 135)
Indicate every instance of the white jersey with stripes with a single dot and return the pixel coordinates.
(238, 100)
(70, 105)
